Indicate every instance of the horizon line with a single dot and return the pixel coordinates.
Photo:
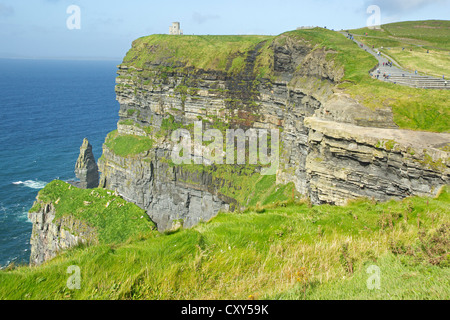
(63, 58)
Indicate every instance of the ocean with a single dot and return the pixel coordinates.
(47, 107)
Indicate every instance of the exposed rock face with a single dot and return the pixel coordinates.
(151, 183)
(329, 160)
(347, 161)
(86, 168)
(49, 236)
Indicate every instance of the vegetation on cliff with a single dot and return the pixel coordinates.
(218, 53)
(114, 219)
(243, 183)
(284, 251)
(416, 109)
(127, 145)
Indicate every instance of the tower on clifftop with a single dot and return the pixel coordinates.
(175, 29)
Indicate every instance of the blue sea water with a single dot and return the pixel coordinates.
(46, 109)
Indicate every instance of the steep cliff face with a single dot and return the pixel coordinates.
(348, 161)
(168, 193)
(49, 235)
(281, 83)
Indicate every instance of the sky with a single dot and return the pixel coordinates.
(38, 28)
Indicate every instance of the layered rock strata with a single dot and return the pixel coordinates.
(49, 235)
(332, 148)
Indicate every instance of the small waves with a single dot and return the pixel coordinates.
(31, 184)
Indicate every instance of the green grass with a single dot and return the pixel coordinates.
(127, 145)
(435, 63)
(293, 252)
(434, 33)
(201, 52)
(242, 183)
(416, 38)
(114, 219)
(415, 109)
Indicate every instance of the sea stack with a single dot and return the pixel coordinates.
(86, 168)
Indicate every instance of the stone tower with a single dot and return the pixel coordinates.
(175, 29)
(86, 168)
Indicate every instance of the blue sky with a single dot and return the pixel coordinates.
(37, 28)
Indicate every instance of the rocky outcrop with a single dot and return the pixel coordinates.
(86, 168)
(49, 235)
(346, 161)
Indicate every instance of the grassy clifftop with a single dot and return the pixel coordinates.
(416, 109)
(417, 45)
(219, 53)
(114, 219)
(429, 33)
(289, 251)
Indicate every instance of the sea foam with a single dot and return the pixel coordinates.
(31, 184)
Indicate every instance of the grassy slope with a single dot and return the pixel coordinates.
(416, 37)
(416, 109)
(287, 252)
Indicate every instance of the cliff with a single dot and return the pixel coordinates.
(333, 147)
(50, 236)
(64, 216)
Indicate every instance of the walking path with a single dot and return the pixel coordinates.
(395, 74)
